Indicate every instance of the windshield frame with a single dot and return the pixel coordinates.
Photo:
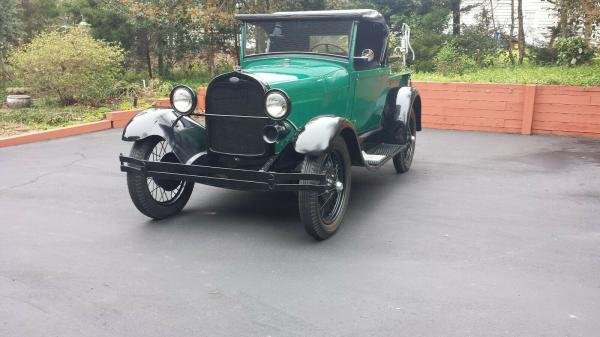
(243, 37)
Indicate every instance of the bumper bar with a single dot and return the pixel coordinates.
(225, 177)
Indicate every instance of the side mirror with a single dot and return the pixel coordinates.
(367, 55)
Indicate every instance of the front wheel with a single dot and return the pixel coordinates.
(157, 198)
(322, 212)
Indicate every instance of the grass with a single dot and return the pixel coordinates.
(586, 75)
(43, 118)
(3, 86)
(47, 114)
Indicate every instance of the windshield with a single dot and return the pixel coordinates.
(330, 37)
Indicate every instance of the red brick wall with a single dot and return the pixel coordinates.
(526, 109)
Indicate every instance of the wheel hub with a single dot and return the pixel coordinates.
(168, 184)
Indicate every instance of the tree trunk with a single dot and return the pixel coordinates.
(521, 31)
(162, 56)
(492, 14)
(587, 31)
(146, 41)
(210, 55)
(455, 8)
(511, 56)
(563, 14)
(591, 16)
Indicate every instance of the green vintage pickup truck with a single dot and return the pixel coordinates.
(314, 95)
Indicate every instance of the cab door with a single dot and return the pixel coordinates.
(370, 79)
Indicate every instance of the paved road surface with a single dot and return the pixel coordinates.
(487, 235)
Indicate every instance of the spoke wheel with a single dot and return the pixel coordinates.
(408, 135)
(154, 197)
(331, 200)
(322, 212)
(164, 191)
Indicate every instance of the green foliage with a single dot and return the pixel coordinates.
(71, 65)
(585, 75)
(428, 21)
(106, 23)
(39, 15)
(10, 30)
(450, 60)
(477, 41)
(573, 51)
(542, 55)
(43, 116)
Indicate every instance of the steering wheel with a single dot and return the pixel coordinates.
(327, 45)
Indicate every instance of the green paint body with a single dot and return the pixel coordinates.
(320, 85)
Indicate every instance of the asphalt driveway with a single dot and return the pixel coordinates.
(487, 235)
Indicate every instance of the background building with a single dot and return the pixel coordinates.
(538, 17)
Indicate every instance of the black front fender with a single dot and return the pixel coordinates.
(187, 138)
(318, 135)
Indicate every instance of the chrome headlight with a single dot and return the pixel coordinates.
(183, 99)
(277, 104)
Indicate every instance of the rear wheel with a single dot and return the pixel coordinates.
(157, 198)
(322, 212)
(407, 135)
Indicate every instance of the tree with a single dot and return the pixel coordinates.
(10, 29)
(511, 37)
(106, 23)
(577, 16)
(162, 29)
(590, 13)
(38, 15)
(455, 9)
(521, 36)
(218, 26)
(387, 8)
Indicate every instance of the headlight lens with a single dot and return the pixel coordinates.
(276, 104)
(183, 99)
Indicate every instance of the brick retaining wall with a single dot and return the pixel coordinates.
(526, 109)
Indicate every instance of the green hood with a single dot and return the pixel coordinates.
(276, 71)
(313, 85)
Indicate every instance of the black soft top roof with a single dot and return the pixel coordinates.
(352, 14)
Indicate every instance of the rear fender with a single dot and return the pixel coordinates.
(407, 98)
(318, 134)
(187, 138)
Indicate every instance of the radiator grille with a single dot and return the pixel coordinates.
(228, 133)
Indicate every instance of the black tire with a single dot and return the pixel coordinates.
(408, 135)
(322, 213)
(150, 202)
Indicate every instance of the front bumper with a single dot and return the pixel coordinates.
(226, 177)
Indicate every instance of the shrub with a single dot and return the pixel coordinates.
(478, 42)
(71, 65)
(571, 51)
(542, 55)
(449, 60)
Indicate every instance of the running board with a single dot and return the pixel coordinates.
(378, 155)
